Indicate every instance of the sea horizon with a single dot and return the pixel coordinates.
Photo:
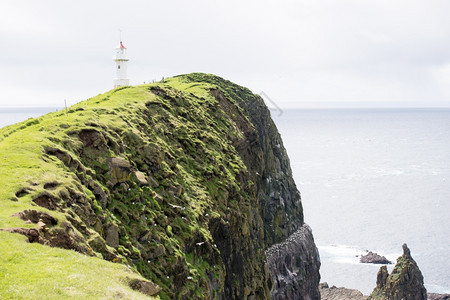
(14, 114)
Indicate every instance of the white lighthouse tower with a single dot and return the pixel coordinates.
(121, 60)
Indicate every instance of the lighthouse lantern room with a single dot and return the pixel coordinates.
(121, 60)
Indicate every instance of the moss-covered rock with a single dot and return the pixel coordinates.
(185, 181)
(404, 282)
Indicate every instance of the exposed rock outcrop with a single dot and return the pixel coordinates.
(294, 267)
(62, 237)
(404, 282)
(120, 169)
(374, 258)
(34, 216)
(339, 293)
(145, 287)
(31, 233)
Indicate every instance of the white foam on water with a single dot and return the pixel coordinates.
(346, 254)
(437, 289)
(343, 254)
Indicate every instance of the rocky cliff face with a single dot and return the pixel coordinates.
(404, 282)
(294, 266)
(185, 181)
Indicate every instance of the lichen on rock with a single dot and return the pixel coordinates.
(120, 170)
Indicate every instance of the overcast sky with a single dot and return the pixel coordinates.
(301, 53)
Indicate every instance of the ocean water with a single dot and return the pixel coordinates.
(12, 115)
(373, 179)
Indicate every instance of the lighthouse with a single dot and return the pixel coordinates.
(121, 60)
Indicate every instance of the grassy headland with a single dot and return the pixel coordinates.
(133, 180)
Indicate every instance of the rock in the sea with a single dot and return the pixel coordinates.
(405, 281)
(339, 293)
(374, 258)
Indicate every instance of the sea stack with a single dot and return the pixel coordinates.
(405, 281)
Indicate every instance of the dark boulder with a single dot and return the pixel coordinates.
(339, 293)
(374, 258)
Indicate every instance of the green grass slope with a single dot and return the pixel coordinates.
(34, 271)
(125, 186)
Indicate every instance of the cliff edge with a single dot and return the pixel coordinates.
(180, 189)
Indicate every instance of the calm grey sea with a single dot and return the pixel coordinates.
(12, 115)
(370, 179)
(373, 179)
